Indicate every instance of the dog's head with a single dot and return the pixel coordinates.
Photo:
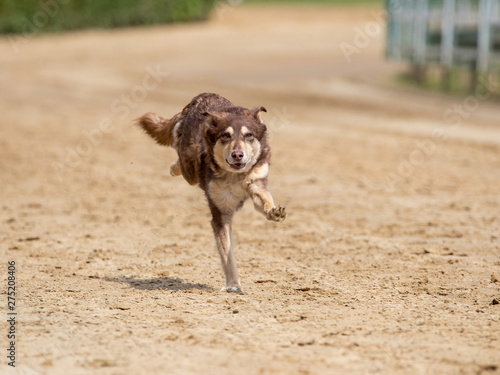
(236, 139)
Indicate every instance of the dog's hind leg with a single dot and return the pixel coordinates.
(221, 225)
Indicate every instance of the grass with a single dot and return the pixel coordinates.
(33, 17)
(462, 81)
(39, 16)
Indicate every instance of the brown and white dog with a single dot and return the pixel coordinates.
(223, 149)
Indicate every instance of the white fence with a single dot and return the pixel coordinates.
(447, 32)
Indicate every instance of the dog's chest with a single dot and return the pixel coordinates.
(227, 195)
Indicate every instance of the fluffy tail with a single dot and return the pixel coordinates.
(160, 129)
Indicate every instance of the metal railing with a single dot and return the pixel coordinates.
(445, 32)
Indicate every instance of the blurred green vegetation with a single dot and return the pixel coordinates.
(461, 80)
(33, 16)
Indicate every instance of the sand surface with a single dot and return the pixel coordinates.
(385, 264)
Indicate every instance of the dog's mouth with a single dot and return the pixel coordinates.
(238, 166)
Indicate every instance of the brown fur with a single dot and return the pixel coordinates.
(158, 128)
(223, 149)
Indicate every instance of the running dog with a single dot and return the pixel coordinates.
(223, 149)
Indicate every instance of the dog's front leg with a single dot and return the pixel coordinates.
(221, 225)
(264, 203)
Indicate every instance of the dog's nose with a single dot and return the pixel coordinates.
(237, 155)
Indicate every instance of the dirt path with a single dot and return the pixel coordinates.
(384, 265)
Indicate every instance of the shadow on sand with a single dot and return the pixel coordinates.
(164, 283)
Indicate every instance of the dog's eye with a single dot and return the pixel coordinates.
(225, 136)
(249, 136)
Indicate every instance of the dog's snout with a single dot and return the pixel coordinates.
(237, 155)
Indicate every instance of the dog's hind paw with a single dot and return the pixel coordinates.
(276, 214)
(175, 169)
(232, 289)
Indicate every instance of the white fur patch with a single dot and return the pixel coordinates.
(176, 133)
(227, 194)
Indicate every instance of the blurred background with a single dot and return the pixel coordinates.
(447, 42)
(384, 127)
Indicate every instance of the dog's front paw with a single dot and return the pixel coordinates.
(276, 214)
(233, 289)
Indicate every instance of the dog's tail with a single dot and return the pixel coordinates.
(160, 129)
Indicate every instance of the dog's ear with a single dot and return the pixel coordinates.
(213, 117)
(255, 112)
(212, 120)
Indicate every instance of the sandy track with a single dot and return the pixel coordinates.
(383, 266)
